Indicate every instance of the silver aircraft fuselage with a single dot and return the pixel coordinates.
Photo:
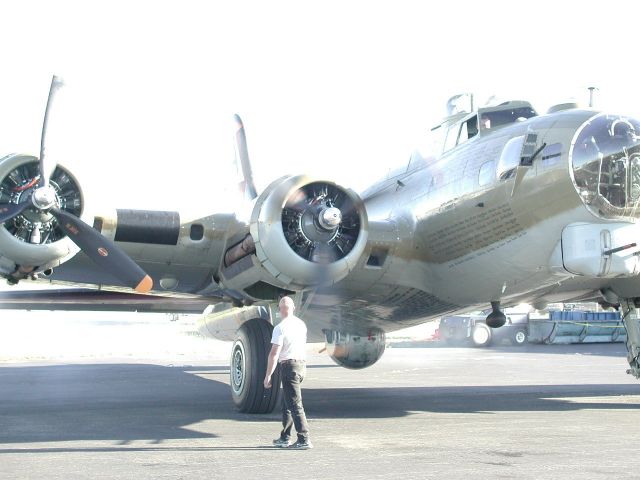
(450, 237)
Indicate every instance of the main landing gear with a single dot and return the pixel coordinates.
(632, 326)
(248, 366)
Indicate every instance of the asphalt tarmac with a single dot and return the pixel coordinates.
(504, 412)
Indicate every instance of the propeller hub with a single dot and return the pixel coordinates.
(44, 198)
(330, 218)
(320, 222)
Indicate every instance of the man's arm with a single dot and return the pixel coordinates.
(272, 362)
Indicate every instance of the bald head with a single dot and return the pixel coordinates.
(286, 307)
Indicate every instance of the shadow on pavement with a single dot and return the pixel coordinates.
(127, 402)
(400, 402)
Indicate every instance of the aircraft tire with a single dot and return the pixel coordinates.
(247, 368)
(481, 335)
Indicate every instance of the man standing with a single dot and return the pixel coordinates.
(288, 348)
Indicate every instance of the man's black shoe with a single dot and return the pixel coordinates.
(282, 442)
(301, 445)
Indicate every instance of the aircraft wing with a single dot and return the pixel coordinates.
(100, 300)
(299, 233)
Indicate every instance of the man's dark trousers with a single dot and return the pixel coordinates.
(292, 373)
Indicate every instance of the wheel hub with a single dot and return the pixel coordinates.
(480, 335)
(238, 369)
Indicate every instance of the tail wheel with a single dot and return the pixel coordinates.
(481, 335)
(248, 366)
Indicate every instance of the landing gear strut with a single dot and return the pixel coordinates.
(248, 366)
(632, 326)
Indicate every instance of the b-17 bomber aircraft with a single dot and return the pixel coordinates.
(509, 207)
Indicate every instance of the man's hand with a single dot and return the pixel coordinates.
(272, 363)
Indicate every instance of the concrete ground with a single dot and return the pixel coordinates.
(505, 412)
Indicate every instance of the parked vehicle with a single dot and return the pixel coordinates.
(465, 329)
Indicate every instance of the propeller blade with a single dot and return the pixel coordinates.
(103, 252)
(46, 168)
(10, 210)
(242, 160)
(298, 201)
(323, 254)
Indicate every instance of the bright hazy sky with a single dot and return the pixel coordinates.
(341, 89)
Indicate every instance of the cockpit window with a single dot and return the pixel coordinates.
(491, 120)
(452, 137)
(606, 165)
(468, 129)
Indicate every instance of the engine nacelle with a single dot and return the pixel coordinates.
(302, 233)
(33, 241)
(308, 232)
(355, 351)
